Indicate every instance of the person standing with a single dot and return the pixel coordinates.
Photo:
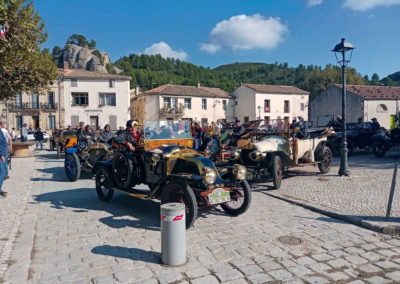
(3, 153)
(3, 125)
(39, 138)
(24, 133)
(13, 134)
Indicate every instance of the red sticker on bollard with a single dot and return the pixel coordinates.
(172, 218)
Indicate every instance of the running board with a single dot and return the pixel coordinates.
(134, 193)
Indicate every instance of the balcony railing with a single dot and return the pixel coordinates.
(32, 106)
(172, 111)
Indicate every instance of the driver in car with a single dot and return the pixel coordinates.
(233, 136)
(130, 137)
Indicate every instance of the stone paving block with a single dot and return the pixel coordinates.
(369, 268)
(250, 269)
(338, 263)
(368, 246)
(259, 278)
(316, 280)
(377, 280)
(354, 250)
(387, 253)
(383, 244)
(169, 276)
(322, 257)
(300, 271)
(281, 274)
(229, 275)
(102, 279)
(262, 258)
(270, 265)
(338, 253)
(356, 260)
(209, 279)
(337, 276)
(305, 260)
(220, 267)
(319, 267)
(356, 282)
(197, 272)
(371, 256)
(236, 281)
(395, 276)
(238, 262)
(386, 264)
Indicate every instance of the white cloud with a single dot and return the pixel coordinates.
(165, 51)
(244, 32)
(314, 2)
(364, 5)
(210, 47)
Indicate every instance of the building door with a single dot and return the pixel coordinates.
(35, 122)
(94, 122)
(74, 120)
(204, 122)
(246, 119)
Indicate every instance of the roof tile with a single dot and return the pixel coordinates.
(276, 89)
(189, 91)
(374, 92)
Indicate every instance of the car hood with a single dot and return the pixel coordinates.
(272, 144)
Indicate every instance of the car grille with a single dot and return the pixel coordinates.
(245, 157)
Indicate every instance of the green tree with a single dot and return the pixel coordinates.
(78, 40)
(375, 79)
(55, 53)
(24, 66)
(92, 44)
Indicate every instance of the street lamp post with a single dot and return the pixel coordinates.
(259, 112)
(340, 54)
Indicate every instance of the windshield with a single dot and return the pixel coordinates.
(159, 130)
(275, 126)
(324, 120)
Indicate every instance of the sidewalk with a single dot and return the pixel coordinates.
(360, 198)
(12, 208)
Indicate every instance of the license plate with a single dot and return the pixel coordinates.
(219, 195)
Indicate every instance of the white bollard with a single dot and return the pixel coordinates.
(173, 234)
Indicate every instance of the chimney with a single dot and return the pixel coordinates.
(198, 85)
(65, 65)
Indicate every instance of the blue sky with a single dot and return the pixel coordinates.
(212, 33)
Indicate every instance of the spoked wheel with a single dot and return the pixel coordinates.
(72, 167)
(379, 148)
(276, 172)
(181, 193)
(122, 168)
(240, 196)
(104, 183)
(326, 161)
(58, 152)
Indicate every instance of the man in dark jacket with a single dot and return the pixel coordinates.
(3, 154)
(130, 137)
(81, 132)
(375, 124)
(233, 136)
(39, 138)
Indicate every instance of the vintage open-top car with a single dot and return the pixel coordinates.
(173, 172)
(281, 149)
(59, 139)
(83, 156)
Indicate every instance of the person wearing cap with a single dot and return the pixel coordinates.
(233, 136)
(81, 131)
(69, 127)
(130, 137)
(375, 124)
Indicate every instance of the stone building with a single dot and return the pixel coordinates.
(174, 102)
(79, 95)
(363, 101)
(268, 102)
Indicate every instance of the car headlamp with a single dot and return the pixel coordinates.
(239, 171)
(255, 155)
(209, 175)
(96, 138)
(155, 157)
(234, 155)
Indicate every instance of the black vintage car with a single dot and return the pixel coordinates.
(173, 173)
(385, 141)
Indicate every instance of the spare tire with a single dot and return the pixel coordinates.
(122, 168)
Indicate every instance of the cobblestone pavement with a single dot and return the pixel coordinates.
(12, 208)
(364, 194)
(79, 239)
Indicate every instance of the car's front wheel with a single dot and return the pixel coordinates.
(104, 184)
(276, 171)
(181, 193)
(326, 161)
(72, 167)
(379, 148)
(240, 196)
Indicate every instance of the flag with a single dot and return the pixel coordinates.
(3, 31)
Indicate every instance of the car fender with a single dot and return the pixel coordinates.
(320, 148)
(107, 164)
(383, 139)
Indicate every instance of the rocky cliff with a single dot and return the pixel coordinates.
(83, 58)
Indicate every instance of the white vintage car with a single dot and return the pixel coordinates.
(278, 149)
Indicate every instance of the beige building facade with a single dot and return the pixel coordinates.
(92, 97)
(269, 102)
(175, 102)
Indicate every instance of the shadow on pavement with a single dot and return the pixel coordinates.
(58, 174)
(129, 253)
(146, 213)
